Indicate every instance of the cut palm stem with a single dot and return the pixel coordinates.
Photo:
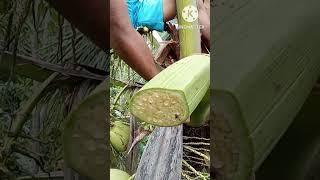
(171, 96)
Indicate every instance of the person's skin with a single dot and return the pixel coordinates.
(90, 17)
(128, 43)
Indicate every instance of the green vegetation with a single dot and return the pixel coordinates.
(46, 68)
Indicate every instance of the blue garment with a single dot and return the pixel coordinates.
(147, 13)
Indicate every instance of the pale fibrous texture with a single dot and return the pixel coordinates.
(170, 97)
(117, 174)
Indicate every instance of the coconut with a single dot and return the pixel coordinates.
(116, 174)
(119, 136)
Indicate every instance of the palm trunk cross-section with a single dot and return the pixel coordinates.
(171, 96)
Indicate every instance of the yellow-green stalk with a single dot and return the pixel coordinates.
(189, 31)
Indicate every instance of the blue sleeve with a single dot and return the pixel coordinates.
(133, 7)
(147, 13)
(151, 14)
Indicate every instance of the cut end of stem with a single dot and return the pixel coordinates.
(160, 107)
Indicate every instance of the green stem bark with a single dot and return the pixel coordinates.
(189, 32)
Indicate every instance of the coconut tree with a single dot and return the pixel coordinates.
(48, 67)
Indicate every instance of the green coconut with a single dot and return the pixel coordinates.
(116, 174)
(119, 136)
(120, 124)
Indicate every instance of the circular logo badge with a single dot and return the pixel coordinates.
(190, 13)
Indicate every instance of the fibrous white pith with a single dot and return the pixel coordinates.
(161, 107)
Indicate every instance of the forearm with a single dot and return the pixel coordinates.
(89, 16)
(128, 43)
(133, 50)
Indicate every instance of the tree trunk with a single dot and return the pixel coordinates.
(162, 157)
(132, 158)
